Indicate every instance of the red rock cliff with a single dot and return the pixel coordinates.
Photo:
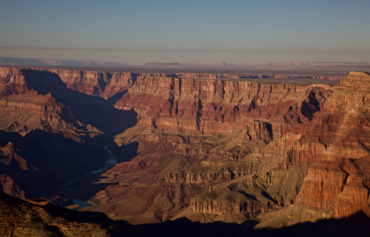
(340, 144)
(104, 84)
(229, 136)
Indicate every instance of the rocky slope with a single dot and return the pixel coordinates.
(22, 218)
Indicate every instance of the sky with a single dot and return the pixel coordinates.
(231, 31)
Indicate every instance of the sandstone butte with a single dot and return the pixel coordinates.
(211, 147)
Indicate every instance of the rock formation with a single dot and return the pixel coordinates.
(22, 109)
(104, 84)
(338, 180)
(211, 147)
(46, 136)
(224, 138)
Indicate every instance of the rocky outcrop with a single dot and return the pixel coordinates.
(339, 145)
(30, 111)
(23, 109)
(8, 186)
(251, 208)
(9, 156)
(205, 177)
(322, 186)
(337, 188)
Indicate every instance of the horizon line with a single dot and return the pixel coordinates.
(189, 50)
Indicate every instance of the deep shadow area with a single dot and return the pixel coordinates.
(310, 107)
(53, 161)
(62, 166)
(113, 99)
(355, 225)
(88, 109)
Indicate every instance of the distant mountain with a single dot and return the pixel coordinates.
(266, 65)
(344, 67)
(185, 64)
(159, 64)
(9, 61)
(21, 61)
(306, 64)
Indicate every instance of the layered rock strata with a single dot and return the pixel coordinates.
(271, 132)
(216, 147)
(213, 134)
(338, 182)
(23, 109)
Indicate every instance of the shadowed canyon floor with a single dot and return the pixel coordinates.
(190, 147)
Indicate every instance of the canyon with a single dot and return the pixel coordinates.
(208, 147)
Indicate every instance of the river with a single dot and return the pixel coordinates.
(109, 163)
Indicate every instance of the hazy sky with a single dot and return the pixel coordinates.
(139, 31)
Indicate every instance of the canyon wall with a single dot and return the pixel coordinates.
(49, 133)
(281, 145)
(23, 109)
(211, 147)
(104, 84)
(338, 180)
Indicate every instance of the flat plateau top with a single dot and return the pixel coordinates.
(294, 81)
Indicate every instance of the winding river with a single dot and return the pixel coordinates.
(109, 163)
